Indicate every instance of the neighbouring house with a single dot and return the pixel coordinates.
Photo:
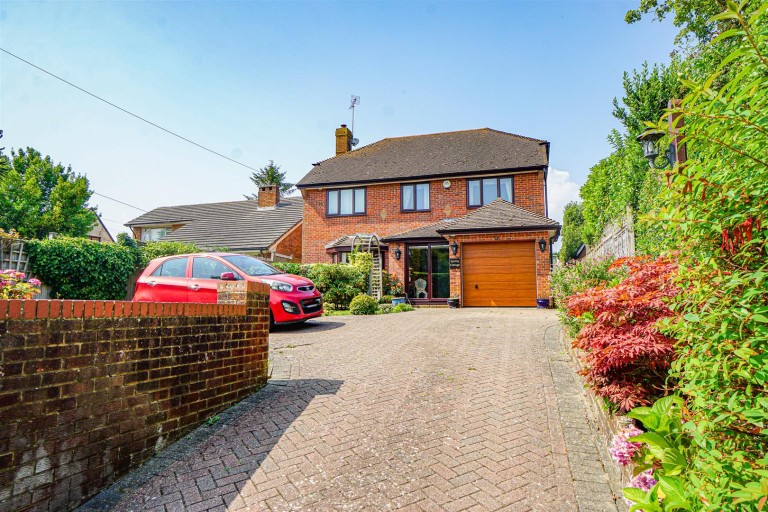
(269, 227)
(99, 232)
(460, 214)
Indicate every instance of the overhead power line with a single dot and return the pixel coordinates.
(118, 201)
(128, 112)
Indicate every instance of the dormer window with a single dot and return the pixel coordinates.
(345, 201)
(485, 190)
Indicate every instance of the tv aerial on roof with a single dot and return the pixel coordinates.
(352, 104)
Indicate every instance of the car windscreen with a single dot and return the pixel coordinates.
(251, 266)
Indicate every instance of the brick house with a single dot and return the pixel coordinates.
(269, 227)
(462, 214)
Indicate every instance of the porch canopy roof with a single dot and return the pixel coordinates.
(497, 216)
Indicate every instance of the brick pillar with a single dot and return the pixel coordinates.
(269, 196)
(255, 296)
(343, 140)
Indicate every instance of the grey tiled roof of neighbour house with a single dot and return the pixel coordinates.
(499, 215)
(431, 156)
(236, 225)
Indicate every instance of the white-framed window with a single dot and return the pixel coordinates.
(153, 234)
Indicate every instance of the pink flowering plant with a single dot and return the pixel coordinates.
(15, 285)
(622, 450)
(661, 461)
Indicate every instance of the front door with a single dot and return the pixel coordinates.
(428, 275)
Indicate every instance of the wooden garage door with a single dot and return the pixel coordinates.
(499, 274)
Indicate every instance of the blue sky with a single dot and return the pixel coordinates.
(260, 81)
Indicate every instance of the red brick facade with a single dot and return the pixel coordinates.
(92, 389)
(384, 217)
(289, 245)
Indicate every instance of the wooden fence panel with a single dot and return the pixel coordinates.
(618, 239)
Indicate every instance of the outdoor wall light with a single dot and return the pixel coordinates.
(542, 245)
(398, 253)
(649, 140)
(454, 247)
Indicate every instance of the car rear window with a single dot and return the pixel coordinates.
(176, 267)
(208, 268)
(251, 266)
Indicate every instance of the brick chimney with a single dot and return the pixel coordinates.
(269, 196)
(343, 140)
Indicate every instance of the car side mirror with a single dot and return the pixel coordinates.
(228, 276)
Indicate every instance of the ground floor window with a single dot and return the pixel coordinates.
(341, 257)
(428, 275)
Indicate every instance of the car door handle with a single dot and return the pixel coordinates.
(151, 283)
(194, 287)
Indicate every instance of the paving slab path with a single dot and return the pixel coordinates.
(437, 409)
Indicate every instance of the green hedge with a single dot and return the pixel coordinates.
(339, 284)
(77, 268)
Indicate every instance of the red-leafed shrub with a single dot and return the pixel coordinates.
(625, 356)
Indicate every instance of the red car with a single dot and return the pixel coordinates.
(193, 278)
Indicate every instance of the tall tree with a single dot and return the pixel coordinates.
(38, 197)
(270, 174)
(572, 238)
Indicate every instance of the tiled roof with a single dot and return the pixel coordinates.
(431, 156)
(422, 232)
(345, 241)
(499, 215)
(237, 225)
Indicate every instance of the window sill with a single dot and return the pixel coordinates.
(343, 216)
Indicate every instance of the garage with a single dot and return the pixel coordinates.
(499, 273)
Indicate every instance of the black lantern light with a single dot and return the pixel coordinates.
(454, 247)
(649, 140)
(542, 245)
(398, 253)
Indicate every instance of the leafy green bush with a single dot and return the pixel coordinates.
(339, 284)
(385, 309)
(363, 305)
(77, 268)
(577, 277)
(716, 219)
(291, 268)
(386, 299)
(152, 250)
(363, 261)
(402, 308)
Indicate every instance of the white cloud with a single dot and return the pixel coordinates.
(561, 190)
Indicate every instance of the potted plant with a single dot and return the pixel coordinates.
(453, 302)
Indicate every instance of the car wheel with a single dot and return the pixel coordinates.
(271, 321)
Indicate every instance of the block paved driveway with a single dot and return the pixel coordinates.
(471, 409)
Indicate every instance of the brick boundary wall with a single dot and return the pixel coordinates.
(91, 389)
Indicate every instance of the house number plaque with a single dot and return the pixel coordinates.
(454, 262)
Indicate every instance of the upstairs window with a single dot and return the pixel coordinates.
(485, 190)
(345, 201)
(414, 197)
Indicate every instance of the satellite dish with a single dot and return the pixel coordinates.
(355, 141)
